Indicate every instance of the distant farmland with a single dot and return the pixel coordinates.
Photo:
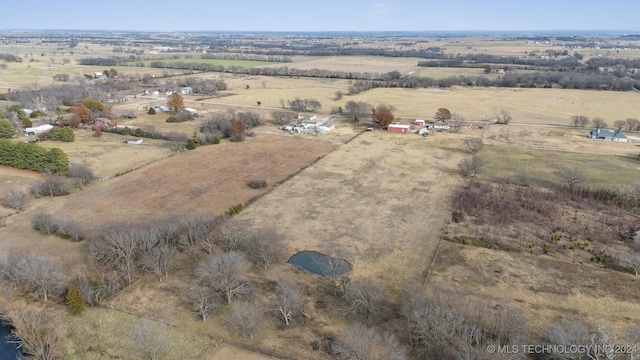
(177, 63)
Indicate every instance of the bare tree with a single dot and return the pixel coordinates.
(14, 199)
(51, 185)
(457, 121)
(37, 333)
(265, 247)
(571, 177)
(282, 117)
(224, 272)
(473, 145)
(196, 233)
(151, 340)
(156, 260)
(598, 123)
(81, 174)
(619, 124)
(118, 247)
(231, 234)
(95, 290)
(573, 333)
(245, 318)
(579, 120)
(447, 324)
(287, 298)
(42, 272)
(45, 222)
(471, 167)
(367, 297)
(631, 124)
(362, 342)
(504, 116)
(202, 300)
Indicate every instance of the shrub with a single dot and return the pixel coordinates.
(52, 185)
(62, 133)
(151, 111)
(6, 129)
(75, 300)
(126, 131)
(26, 122)
(191, 144)
(257, 182)
(235, 209)
(14, 199)
(216, 141)
(97, 132)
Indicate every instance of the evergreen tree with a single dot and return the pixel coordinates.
(75, 300)
(6, 129)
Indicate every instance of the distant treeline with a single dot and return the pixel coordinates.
(249, 57)
(33, 157)
(563, 64)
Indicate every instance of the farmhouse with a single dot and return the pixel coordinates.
(399, 128)
(611, 135)
(38, 129)
(186, 90)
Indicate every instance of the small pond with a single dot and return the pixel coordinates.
(319, 263)
(8, 348)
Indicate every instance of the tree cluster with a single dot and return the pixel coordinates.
(33, 157)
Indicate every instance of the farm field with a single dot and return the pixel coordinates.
(527, 106)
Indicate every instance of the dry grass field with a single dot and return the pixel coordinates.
(528, 106)
(546, 290)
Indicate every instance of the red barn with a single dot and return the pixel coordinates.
(399, 128)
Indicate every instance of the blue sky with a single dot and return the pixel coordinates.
(321, 15)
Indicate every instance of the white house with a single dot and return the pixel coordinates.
(191, 111)
(611, 135)
(186, 90)
(38, 129)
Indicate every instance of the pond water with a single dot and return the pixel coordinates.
(319, 263)
(8, 350)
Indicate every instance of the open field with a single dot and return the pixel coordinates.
(371, 64)
(541, 151)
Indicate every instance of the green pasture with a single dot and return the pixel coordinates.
(602, 171)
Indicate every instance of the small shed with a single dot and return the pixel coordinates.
(325, 127)
(399, 128)
(420, 122)
(135, 141)
(186, 90)
(38, 129)
(191, 111)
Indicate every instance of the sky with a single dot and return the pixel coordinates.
(321, 15)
